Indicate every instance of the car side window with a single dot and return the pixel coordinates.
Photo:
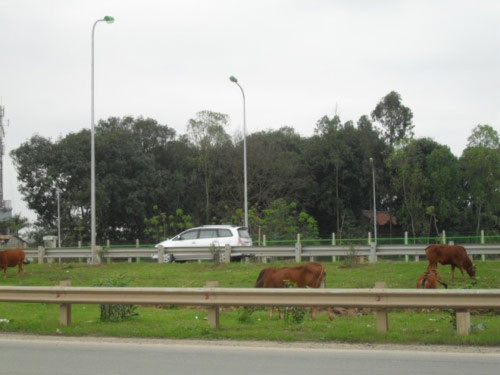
(225, 233)
(208, 233)
(191, 235)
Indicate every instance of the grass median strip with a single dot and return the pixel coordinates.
(190, 323)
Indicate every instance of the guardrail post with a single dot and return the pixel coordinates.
(463, 322)
(227, 253)
(334, 258)
(98, 259)
(213, 312)
(108, 258)
(373, 252)
(483, 256)
(407, 257)
(382, 316)
(298, 252)
(161, 253)
(65, 308)
(41, 254)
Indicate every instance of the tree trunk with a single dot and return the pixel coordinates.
(478, 218)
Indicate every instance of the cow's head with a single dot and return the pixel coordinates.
(471, 270)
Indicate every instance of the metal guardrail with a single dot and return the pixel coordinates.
(380, 299)
(298, 251)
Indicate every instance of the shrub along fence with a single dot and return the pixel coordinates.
(381, 299)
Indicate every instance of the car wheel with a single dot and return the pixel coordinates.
(168, 258)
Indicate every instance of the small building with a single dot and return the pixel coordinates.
(8, 241)
(387, 224)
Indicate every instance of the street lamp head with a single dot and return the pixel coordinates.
(233, 79)
(109, 19)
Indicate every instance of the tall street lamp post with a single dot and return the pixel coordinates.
(374, 204)
(58, 220)
(233, 79)
(107, 19)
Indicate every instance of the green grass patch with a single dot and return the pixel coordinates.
(190, 323)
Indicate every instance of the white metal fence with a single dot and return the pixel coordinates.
(298, 252)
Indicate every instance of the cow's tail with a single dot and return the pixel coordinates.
(260, 279)
(321, 282)
(443, 283)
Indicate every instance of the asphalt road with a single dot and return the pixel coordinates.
(54, 356)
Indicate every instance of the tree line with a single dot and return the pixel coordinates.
(152, 183)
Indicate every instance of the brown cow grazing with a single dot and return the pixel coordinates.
(454, 255)
(312, 275)
(430, 280)
(12, 258)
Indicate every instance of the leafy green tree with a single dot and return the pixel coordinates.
(484, 136)
(444, 189)
(411, 180)
(395, 118)
(207, 133)
(282, 220)
(14, 224)
(480, 163)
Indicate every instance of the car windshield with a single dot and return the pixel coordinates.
(243, 233)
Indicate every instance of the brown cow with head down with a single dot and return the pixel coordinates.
(310, 275)
(12, 258)
(430, 280)
(454, 255)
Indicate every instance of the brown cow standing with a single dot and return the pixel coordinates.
(430, 280)
(312, 275)
(12, 258)
(454, 255)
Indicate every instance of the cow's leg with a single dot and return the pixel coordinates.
(21, 268)
(462, 272)
(314, 311)
(4, 272)
(330, 313)
(452, 271)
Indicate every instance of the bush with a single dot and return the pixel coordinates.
(116, 312)
(293, 314)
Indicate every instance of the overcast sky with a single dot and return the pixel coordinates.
(296, 60)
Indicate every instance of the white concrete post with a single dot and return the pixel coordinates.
(213, 314)
(298, 252)
(227, 253)
(382, 315)
(41, 254)
(483, 256)
(369, 238)
(373, 252)
(161, 253)
(443, 239)
(65, 308)
(334, 258)
(407, 258)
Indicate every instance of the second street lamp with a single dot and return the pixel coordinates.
(374, 204)
(107, 19)
(233, 79)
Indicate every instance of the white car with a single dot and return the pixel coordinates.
(205, 236)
